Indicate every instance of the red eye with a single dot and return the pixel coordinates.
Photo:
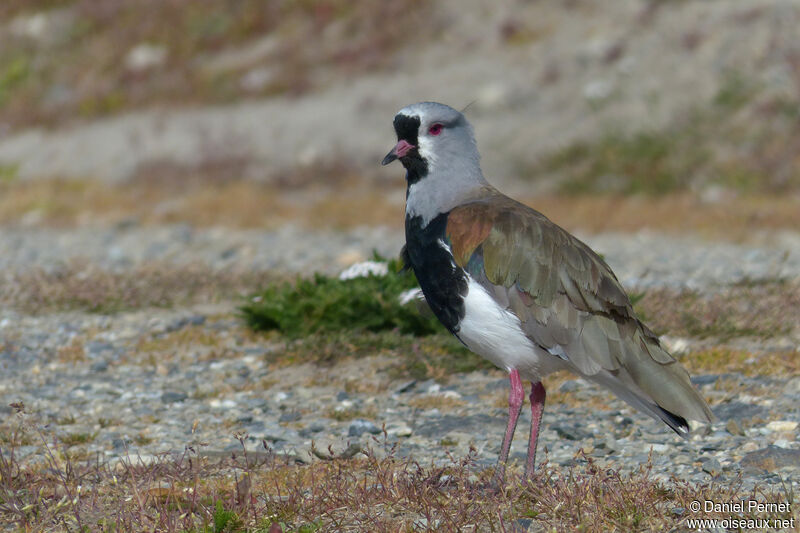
(436, 129)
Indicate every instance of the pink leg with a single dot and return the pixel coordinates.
(538, 395)
(515, 396)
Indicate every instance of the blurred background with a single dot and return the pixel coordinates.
(676, 116)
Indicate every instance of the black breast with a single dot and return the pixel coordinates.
(442, 281)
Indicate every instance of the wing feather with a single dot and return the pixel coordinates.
(568, 300)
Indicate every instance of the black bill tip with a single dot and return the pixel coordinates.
(391, 156)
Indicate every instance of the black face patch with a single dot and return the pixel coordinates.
(407, 129)
(443, 283)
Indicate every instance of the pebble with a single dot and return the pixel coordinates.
(401, 430)
(291, 416)
(782, 425)
(712, 466)
(173, 396)
(734, 428)
(359, 427)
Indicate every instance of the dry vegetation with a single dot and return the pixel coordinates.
(85, 287)
(757, 310)
(356, 201)
(204, 203)
(358, 490)
(94, 58)
(745, 139)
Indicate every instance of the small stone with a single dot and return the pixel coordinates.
(256, 79)
(570, 432)
(608, 444)
(738, 410)
(95, 348)
(281, 396)
(255, 427)
(120, 443)
(570, 386)
(748, 446)
(360, 426)
(623, 421)
(173, 396)
(342, 396)
(792, 386)
(734, 428)
(222, 404)
(99, 366)
(597, 90)
(405, 387)
(344, 405)
(197, 320)
(291, 416)
(705, 379)
(316, 427)
(771, 458)
(401, 430)
(524, 524)
(712, 466)
(660, 448)
(145, 56)
(782, 426)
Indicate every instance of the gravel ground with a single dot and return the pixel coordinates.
(641, 261)
(147, 382)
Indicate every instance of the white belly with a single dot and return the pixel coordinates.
(495, 333)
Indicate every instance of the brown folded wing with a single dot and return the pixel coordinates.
(567, 298)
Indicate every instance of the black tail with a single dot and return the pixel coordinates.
(677, 423)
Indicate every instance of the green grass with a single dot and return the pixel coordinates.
(326, 305)
(225, 520)
(74, 439)
(324, 319)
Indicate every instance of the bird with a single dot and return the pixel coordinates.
(519, 290)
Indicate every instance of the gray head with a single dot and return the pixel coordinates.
(436, 145)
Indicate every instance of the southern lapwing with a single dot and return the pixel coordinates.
(518, 289)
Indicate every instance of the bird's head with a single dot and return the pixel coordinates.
(431, 136)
